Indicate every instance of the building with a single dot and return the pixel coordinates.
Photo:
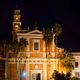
(35, 63)
(35, 60)
(76, 71)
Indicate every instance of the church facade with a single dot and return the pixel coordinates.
(34, 63)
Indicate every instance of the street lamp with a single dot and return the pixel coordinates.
(23, 74)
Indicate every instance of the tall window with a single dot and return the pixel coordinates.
(76, 74)
(36, 46)
(76, 64)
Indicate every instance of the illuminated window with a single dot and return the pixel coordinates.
(36, 46)
(76, 74)
(76, 64)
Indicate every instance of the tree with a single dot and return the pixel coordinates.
(22, 44)
(57, 29)
(12, 50)
(48, 37)
(66, 59)
(58, 76)
(17, 49)
(5, 48)
(68, 76)
(18, 46)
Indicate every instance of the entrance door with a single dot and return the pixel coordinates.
(36, 76)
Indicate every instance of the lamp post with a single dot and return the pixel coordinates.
(23, 75)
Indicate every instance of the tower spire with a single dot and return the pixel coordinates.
(16, 23)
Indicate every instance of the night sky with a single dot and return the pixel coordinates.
(46, 13)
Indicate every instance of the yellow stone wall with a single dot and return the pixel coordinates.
(12, 72)
(31, 63)
(33, 66)
(36, 53)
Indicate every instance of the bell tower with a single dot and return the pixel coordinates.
(16, 23)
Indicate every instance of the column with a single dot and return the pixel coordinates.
(27, 61)
(28, 51)
(44, 71)
(53, 54)
(27, 69)
(44, 53)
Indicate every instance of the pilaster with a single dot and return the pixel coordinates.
(44, 71)
(44, 53)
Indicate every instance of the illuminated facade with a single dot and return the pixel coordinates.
(76, 71)
(33, 64)
(34, 59)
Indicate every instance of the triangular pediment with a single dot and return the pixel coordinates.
(35, 32)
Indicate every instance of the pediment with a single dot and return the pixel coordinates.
(35, 32)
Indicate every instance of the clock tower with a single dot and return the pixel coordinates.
(16, 23)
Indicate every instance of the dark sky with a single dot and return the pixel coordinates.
(46, 13)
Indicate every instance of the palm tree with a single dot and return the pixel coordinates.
(66, 59)
(57, 29)
(48, 38)
(15, 48)
(23, 44)
(5, 46)
(18, 48)
(12, 49)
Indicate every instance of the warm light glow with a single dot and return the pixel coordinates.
(17, 18)
(16, 26)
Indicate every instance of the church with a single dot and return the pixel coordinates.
(34, 63)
